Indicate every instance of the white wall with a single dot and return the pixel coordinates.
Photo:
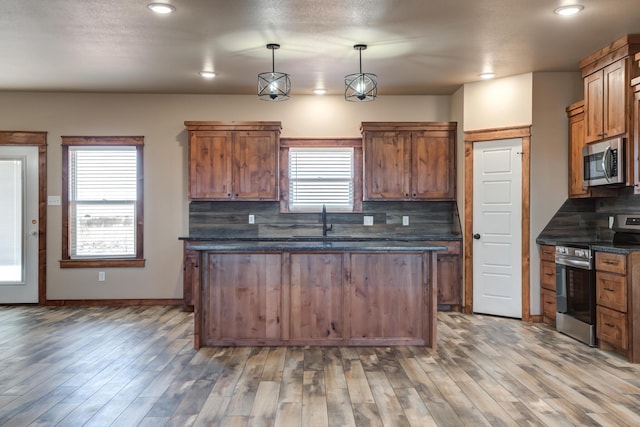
(160, 119)
(552, 93)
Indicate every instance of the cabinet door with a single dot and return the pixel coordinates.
(255, 169)
(576, 143)
(614, 99)
(315, 297)
(386, 165)
(190, 277)
(593, 104)
(386, 296)
(449, 279)
(210, 156)
(242, 298)
(432, 166)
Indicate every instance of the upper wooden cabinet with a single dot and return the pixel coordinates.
(607, 93)
(233, 160)
(575, 113)
(409, 160)
(635, 84)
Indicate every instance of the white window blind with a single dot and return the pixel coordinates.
(102, 201)
(320, 176)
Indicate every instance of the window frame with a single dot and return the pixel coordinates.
(93, 262)
(355, 143)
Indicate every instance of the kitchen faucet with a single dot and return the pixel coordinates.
(324, 222)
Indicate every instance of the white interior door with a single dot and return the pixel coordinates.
(497, 225)
(18, 224)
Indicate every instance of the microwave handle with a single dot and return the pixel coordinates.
(605, 163)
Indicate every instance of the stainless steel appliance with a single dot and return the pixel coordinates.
(627, 230)
(603, 163)
(576, 293)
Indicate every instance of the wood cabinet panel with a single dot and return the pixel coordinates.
(549, 306)
(593, 102)
(386, 296)
(575, 113)
(615, 99)
(613, 263)
(548, 275)
(316, 293)
(255, 157)
(611, 291)
(449, 275)
(612, 327)
(432, 168)
(190, 277)
(387, 172)
(241, 298)
(548, 253)
(210, 163)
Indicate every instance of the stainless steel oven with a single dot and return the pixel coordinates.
(576, 293)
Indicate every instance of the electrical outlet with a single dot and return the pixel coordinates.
(101, 276)
(252, 219)
(405, 220)
(368, 220)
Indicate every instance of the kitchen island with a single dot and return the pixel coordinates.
(315, 292)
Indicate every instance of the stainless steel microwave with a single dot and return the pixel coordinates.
(603, 163)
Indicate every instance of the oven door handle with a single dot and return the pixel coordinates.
(605, 163)
(577, 263)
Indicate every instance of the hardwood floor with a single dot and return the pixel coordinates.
(70, 366)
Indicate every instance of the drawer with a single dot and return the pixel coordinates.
(549, 306)
(611, 291)
(548, 253)
(612, 327)
(613, 263)
(548, 275)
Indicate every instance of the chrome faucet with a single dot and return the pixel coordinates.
(324, 222)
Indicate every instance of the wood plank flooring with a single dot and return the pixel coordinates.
(135, 366)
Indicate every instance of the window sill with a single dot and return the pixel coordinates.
(98, 263)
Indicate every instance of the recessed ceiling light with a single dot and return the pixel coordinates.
(487, 76)
(568, 10)
(162, 8)
(208, 74)
(319, 91)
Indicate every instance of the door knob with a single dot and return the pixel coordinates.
(34, 233)
(476, 236)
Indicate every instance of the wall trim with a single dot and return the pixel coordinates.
(114, 302)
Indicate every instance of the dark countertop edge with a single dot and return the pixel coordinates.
(594, 246)
(320, 239)
(315, 248)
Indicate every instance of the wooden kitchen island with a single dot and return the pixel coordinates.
(315, 293)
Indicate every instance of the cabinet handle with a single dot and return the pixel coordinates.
(228, 194)
(414, 194)
(606, 261)
(608, 289)
(548, 274)
(547, 252)
(406, 194)
(610, 325)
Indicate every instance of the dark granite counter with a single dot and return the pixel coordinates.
(594, 245)
(319, 245)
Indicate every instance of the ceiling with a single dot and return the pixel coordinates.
(416, 47)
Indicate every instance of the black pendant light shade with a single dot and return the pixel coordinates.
(273, 86)
(360, 87)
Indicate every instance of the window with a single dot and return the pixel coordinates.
(102, 202)
(321, 176)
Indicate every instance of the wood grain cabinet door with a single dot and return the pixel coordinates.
(593, 104)
(432, 165)
(210, 163)
(242, 298)
(386, 296)
(255, 157)
(387, 165)
(315, 297)
(614, 99)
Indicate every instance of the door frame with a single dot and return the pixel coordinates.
(496, 134)
(38, 139)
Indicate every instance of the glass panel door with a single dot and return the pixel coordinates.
(11, 221)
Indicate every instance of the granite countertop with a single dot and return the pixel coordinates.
(594, 245)
(380, 245)
(421, 238)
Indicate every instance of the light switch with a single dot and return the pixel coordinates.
(368, 220)
(405, 220)
(252, 219)
(53, 200)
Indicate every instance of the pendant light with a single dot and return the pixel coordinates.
(273, 86)
(360, 87)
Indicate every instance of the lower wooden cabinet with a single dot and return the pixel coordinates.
(449, 276)
(548, 283)
(315, 298)
(618, 303)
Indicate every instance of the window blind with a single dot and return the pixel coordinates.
(102, 201)
(320, 176)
